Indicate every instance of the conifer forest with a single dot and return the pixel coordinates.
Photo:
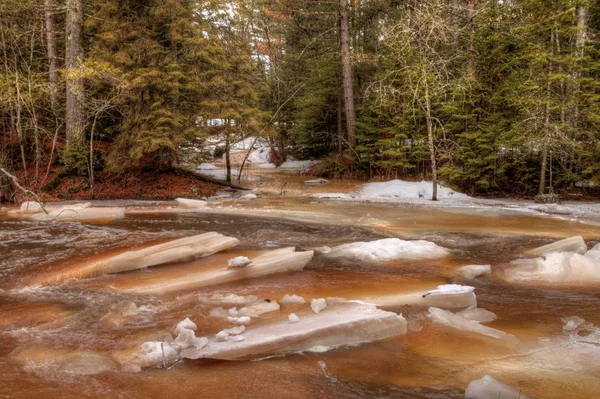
(490, 97)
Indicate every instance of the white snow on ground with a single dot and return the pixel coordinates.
(342, 196)
(388, 249)
(207, 166)
(406, 190)
(261, 155)
(247, 143)
(297, 164)
(267, 166)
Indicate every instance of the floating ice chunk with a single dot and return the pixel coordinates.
(459, 322)
(235, 330)
(338, 325)
(452, 295)
(185, 324)
(293, 318)
(187, 338)
(449, 296)
(233, 312)
(80, 212)
(322, 250)
(222, 336)
(557, 267)
(260, 307)
(572, 244)
(249, 197)
(238, 262)
(388, 249)
(244, 320)
(173, 251)
(472, 271)
(572, 323)
(237, 338)
(318, 304)
(479, 315)
(594, 253)
(191, 203)
(148, 354)
(68, 361)
(119, 314)
(489, 388)
(287, 298)
(219, 313)
(283, 260)
(316, 182)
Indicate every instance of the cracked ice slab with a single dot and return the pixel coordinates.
(448, 296)
(388, 249)
(573, 244)
(283, 260)
(340, 324)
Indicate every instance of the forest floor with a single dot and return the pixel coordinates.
(139, 185)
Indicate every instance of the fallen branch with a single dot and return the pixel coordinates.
(26, 191)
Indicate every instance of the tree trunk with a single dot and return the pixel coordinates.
(429, 121)
(51, 48)
(546, 138)
(471, 7)
(75, 120)
(340, 131)
(227, 160)
(580, 39)
(347, 72)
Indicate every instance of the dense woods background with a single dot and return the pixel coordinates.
(489, 96)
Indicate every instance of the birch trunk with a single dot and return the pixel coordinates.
(347, 72)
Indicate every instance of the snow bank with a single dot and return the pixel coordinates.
(338, 325)
(30, 207)
(267, 166)
(297, 164)
(207, 166)
(573, 244)
(388, 249)
(283, 260)
(472, 271)
(261, 155)
(400, 189)
(459, 322)
(490, 388)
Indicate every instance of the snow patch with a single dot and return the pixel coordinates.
(400, 189)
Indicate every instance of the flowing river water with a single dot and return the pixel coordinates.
(41, 325)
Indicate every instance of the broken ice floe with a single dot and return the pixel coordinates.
(77, 212)
(293, 318)
(489, 388)
(287, 299)
(388, 249)
(338, 325)
(318, 304)
(460, 322)
(283, 260)
(572, 244)
(448, 296)
(478, 315)
(472, 271)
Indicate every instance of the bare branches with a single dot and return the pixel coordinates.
(26, 191)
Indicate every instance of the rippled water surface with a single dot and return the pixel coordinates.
(42, 324)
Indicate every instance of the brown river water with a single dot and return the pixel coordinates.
(40, 326)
